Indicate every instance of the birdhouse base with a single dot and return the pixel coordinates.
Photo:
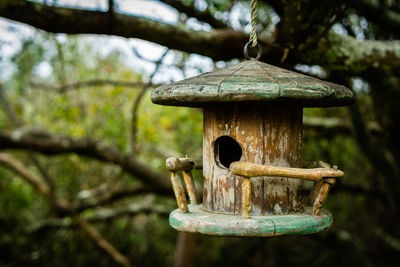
(203, 222)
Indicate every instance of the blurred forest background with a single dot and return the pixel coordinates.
(82, 176)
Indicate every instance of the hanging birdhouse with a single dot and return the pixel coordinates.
(252, 151)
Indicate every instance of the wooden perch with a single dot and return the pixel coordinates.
(247, 169)
(183, 164)
(320, 191)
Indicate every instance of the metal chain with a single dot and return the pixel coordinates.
(253, 35)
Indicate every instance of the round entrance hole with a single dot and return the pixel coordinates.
(227, 150)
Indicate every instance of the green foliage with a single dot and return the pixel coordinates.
(104, 113)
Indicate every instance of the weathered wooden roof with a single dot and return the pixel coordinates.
(252, 81)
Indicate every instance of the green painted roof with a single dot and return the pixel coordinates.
(252, 81)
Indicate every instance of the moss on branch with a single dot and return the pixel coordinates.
(332, 51)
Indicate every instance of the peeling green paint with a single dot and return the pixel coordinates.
(252, 81)
(199, 221)
(174, 221)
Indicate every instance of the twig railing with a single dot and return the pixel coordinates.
(185, 165)
(323, 177)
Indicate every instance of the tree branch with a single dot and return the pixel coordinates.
(11, 114)
(326, 124)
(131, 210)
(277, 5)
(10, 162)
(390, 240)
(135, 106)
(18, 122)
(51, 144)
(192, 11)
(380, 15)
(102, 242)
(89, 83)
(114, 195)
(61, 206)
(333, 51)
(334, 126)
(218, 44)
(345, 53)
(111, 7)
(105, 215)
(14, 165)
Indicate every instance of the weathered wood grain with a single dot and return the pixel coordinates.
(254, 81)
(269, 134)
(322, 195)
(246, 198)
(179, 192)
(248, 169)
(183, 164)
(187, 175)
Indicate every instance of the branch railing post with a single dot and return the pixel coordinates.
(185, 165)
(322, 195)
(187, 175)
(179, 192)
(246, 197)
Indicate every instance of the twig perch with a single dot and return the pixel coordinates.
(247, 169)
(323, 177)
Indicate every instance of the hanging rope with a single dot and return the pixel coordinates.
(253, 35)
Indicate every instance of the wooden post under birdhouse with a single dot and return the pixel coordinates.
(266, 133)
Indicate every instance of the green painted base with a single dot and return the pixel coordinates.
(203, 222)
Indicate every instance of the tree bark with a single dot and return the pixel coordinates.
(50, 144)
(332, 51)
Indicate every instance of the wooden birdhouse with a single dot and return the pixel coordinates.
(252, 151)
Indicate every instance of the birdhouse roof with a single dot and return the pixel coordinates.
(252, 81)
